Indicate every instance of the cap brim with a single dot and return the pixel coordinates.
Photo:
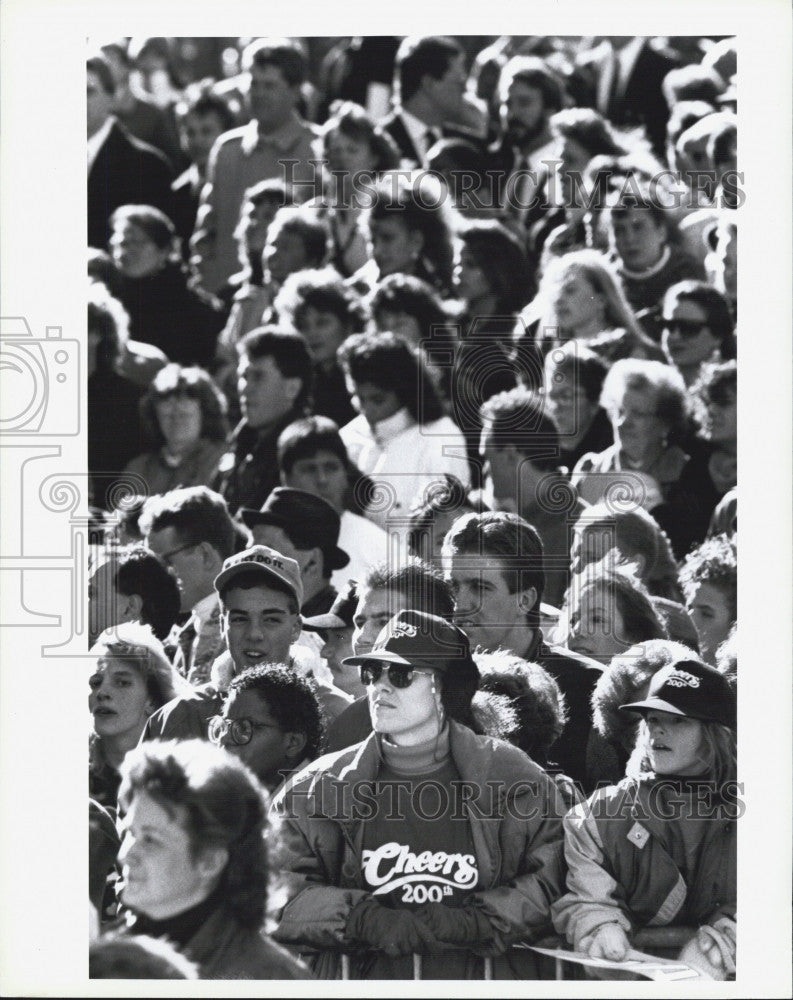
(384, 656)
(338, 559)
(657, 703)
(320, 622)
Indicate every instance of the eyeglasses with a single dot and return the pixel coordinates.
(167, 556)
(399, 674)
(240, 730)
(687, 328)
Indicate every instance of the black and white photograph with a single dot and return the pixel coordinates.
(376, 493)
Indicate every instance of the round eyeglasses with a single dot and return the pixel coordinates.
(240, 730)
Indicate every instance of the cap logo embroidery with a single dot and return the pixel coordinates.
(680, 678)
(404, 629)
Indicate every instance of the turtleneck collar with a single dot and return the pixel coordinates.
(182, 927)
(422, 758)
(386, 430)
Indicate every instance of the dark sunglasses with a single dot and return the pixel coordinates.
(687, 328)
(399, 674)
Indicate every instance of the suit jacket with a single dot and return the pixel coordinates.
(125, 172)
(639, 101)
(395, 127)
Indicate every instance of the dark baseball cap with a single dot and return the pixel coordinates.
(416, 639)
(692, 689)
(309, 521)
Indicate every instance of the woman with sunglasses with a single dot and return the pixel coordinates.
(425, 839)
(697, 328)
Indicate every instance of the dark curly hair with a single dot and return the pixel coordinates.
(291, 699)
(533, 693)
(387, 361)
(220, 805)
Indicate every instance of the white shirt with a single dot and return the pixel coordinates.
(365, 543)
(406, 461)
(203, 610)
(97, 139)
(417, 130)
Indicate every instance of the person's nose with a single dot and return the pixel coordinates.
(254, 631)
(126, 852)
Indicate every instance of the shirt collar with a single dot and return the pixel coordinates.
(283, 139)
(203, 610)
(386, 430)
(97, 139)
(417, 130)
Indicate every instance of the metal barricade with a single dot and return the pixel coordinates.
(649, 939)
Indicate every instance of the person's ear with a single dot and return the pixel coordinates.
(297, 628)
(415, 243)
(131, 607)
(295, 745)
(292, 388)
(527, 598)
(211, 862)
(313, 565)
(149, 708)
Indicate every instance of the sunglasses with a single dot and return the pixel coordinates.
(399, 674)
(686, 328)
(240, 730)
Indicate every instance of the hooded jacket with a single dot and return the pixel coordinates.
(515, 815)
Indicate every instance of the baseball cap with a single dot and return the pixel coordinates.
(309, 521)
(268, 562)
(692, 689)
(416, 639)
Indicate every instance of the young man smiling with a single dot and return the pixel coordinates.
(260, 593)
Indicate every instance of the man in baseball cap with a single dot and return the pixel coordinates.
(692, 689)
(306, 528)
(260, 591)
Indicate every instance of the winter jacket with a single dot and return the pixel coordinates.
(627, 859)
(225, 949)
(515, 825)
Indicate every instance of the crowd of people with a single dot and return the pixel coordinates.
(412, 455)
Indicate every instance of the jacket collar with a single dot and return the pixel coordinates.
(283, 139)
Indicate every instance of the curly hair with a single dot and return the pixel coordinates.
(321, 289)
(714, 562)
(218, 802)
(533, 693)
(353, 121)
(713, 304)
(666, 382)
(193, 382)
(387, 361)
(291, 699)
(640, 619)
(637, 533)
(418, 203)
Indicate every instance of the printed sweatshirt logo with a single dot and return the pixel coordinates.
(394, 865)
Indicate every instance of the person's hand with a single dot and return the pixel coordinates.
(609, 941)
(395, 932)
(712, 950)
(456, 924)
